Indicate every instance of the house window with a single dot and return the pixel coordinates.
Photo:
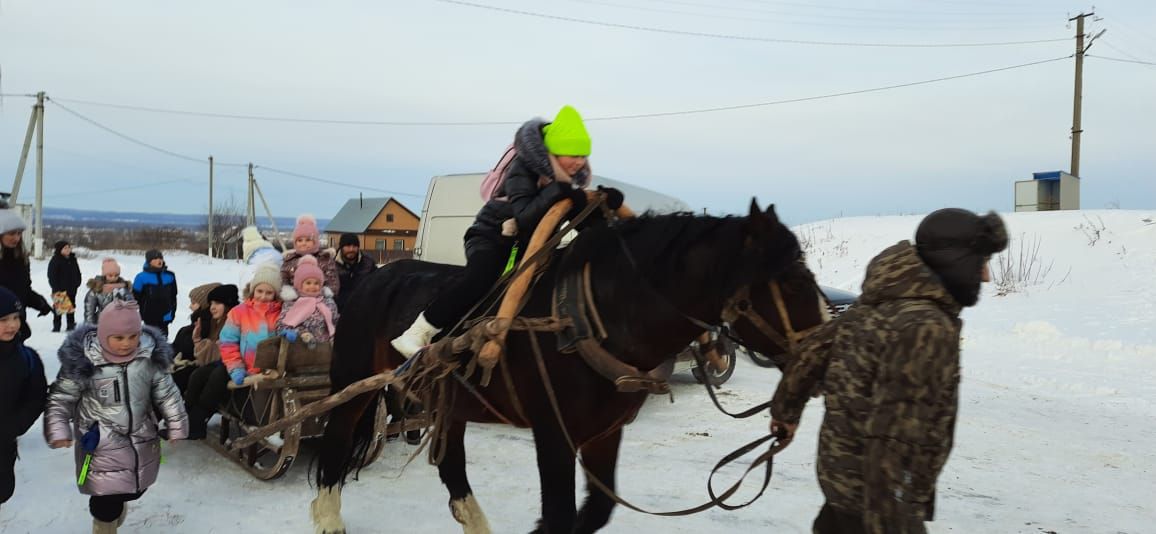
(380, 244)
(398, 244)
(388, 217)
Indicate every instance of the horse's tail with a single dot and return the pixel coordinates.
(350, 433)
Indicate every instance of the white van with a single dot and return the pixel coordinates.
(452, 202)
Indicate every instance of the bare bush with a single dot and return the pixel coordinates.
(227, 217)
(1093, 230)
(1020, 266)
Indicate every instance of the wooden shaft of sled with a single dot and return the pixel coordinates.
(364, 385)
(512, 300)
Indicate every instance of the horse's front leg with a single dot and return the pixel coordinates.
(452, 470)
(601, 459)
(556, 475)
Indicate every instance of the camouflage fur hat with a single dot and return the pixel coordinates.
(955, 243)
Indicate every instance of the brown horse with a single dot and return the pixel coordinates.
(656, 280)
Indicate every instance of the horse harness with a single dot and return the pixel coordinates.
(579, 327)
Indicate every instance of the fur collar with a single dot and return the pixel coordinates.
(81, 354)
(289, 293)
(531, 147)
(321, 254)
(97, 284)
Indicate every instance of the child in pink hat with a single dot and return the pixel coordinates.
(114, 381)
(104, 289)
(307, 241)
(309, 312)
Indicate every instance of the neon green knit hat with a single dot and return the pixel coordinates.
(567, 136)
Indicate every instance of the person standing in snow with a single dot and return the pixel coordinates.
(15, 270)
(64, 277)
(113, 382)
(23, 389)
(551, 164)
(352, 266)
(889, 371)
(104, 289)
(155, 288)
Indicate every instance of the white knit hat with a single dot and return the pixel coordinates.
(252, 242)
(265, 273)
(10, 220)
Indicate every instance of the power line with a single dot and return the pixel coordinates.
(133, 139)
(830, 95)
(1097, 56)
(1129, 56)
(202, 161)
(954, 17)
(119, 189)
(334, 182)
(268, 118)
(919, 26)
(743, 37)
(894, 11)
(589, 119)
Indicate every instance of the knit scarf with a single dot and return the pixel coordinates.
(304, 307)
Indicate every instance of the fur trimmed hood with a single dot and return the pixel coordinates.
(531, 148)
(96, 284)
(81, 353)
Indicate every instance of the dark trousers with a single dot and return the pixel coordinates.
(71, 316)
(485, 261)
(7, 470)
(834, 521)
(108, 508)
(208, 386)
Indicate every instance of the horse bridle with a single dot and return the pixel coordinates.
(739, 307)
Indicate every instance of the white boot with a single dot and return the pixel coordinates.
(416, 337)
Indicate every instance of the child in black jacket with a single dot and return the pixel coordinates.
(23, 389)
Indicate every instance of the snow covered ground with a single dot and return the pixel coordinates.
(1055, 434)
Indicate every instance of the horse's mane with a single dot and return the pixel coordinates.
(660, 244)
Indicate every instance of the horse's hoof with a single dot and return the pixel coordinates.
(467, 512)
(326, 511)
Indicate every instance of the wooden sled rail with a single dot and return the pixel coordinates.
(364, 385)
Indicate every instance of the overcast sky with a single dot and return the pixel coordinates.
(909, 150)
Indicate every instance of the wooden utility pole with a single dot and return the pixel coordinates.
(210, 206)
(32, 121)
(250, 210)
(38, 232)
(272, 220)
(1079, 90)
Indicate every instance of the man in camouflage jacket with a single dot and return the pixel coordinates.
(889, 372)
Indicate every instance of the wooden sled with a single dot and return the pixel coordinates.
(295, 376)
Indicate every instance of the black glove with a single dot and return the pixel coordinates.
(44, 311)
(614, 197)
(578, 196)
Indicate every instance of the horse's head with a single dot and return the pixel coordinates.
(783, 302)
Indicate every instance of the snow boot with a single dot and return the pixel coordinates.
(416, 337)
